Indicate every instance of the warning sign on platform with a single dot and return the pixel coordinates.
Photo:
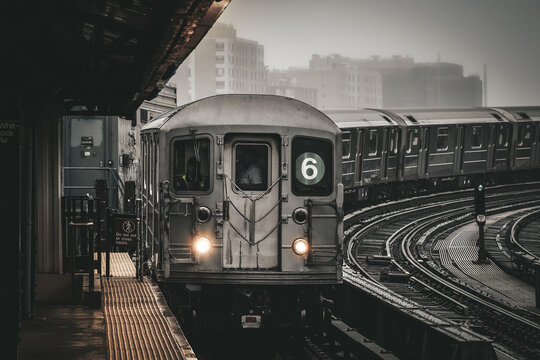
(126, 230)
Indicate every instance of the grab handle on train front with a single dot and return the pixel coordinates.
(339, 200)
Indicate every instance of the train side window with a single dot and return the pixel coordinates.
(502, 140)
(372, 142)
(476, 137)
(191, 165)
(312, 166)
(394, 140)
(409, 141)
(524, 134)
(346, 148)
(251, 166)
(442, 138)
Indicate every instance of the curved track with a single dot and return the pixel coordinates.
(382, 244)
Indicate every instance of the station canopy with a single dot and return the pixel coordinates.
(101, 56)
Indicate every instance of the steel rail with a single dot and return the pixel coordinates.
(406, 251)
(517, 226)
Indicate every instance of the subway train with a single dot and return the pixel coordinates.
(392, 154)
(243, 195)
(242, 209)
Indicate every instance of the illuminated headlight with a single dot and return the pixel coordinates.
(300, 246)
(202, 214)
(300, 215)
(202, 245)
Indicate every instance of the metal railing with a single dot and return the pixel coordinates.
(82, 223)
(112, 171)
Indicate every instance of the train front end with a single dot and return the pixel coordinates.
(250, 200)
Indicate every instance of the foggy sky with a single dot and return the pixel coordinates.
(503, 33)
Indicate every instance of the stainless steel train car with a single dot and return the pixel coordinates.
(389, 154)
(242, 200)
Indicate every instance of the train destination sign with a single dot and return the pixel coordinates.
(126, 230)
(309, 168)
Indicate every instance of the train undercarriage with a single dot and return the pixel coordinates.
(266, 310)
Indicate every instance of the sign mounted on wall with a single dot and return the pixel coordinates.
(125, 230)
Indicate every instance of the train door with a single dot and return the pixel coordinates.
(534, 141)
(423, 153)
(384, 155)
(252, 191)
(412, 149)
(348, 158)
(371, 159)
(501, 151)
(523, 147)
(393, 146)
(359, 155)
(491, 149)
(441, 151)
(538, 145)
(459, 149)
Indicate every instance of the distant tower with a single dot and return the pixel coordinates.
(485, 85)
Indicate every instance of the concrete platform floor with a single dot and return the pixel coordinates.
(64, 332)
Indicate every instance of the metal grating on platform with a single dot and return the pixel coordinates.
(138, 322)
(121, 264)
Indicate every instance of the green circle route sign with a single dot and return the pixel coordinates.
(309, 168)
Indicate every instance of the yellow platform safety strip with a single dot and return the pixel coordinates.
(138, 321)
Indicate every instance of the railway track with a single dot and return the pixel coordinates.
(524, 234)
(382, 245)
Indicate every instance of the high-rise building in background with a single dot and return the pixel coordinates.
(286, 84)
(331, 82)
(437, 85)
(222, 63)
(347, 83)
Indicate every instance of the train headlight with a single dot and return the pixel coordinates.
(202, 245)
(203, 214)
(300, 246)
(300, 215)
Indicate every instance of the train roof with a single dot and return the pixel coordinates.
(520, 113)
(456, 116)
(360, 118)
(244, 110)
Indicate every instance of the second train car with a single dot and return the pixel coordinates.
(391, 154)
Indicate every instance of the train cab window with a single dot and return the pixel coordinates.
(372, 142)
(442, 138)
(312, 166)
(502, 139)
(191, 165)
(476, 137)
(346, 152)
(251, 166)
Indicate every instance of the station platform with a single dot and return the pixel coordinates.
(134, 322)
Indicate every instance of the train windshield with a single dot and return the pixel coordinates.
(251, 166)
(312, 166)
(191, 165)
